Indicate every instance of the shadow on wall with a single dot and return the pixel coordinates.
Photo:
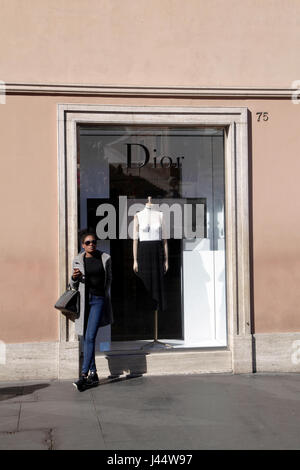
(132, 364)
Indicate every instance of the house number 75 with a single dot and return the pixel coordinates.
(264, 116)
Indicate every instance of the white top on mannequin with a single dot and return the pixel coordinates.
(150, 223)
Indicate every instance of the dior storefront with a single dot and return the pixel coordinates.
(182, 175)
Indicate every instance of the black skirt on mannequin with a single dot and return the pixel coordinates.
(151, 270)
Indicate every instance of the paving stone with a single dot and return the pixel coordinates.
(162, 434)
(87, 437)
(211, 411)
(26, 440)
(154, 443)
(9, 417)
(67, 414)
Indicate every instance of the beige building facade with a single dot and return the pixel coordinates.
(76, 73)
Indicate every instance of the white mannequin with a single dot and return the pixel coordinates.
(148, 226)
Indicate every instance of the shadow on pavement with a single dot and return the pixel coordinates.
(111, 379)
(11, 392)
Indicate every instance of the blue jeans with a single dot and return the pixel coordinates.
(96, 304)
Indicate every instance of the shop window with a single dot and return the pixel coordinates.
(182, 170)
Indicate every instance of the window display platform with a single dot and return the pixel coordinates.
(141, 345)
(118, 362)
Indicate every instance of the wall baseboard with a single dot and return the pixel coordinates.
(29, 361)
(272, 352)
(276, 352)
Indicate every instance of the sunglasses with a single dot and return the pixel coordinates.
(90, 242)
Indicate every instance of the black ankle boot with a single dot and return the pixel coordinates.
(93, 379)
(81, 383)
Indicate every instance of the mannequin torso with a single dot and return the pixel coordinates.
(149, 224)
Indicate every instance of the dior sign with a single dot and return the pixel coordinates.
(157, 161)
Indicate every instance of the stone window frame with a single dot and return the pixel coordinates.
(235, 122)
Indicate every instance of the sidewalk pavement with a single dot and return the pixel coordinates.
(184, 412)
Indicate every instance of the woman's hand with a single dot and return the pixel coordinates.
(76, 274)
(135, 267)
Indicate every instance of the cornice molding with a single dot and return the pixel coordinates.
(147, 91)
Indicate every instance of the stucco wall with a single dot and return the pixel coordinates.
(28, 182)
(29, 220)
(151, 42)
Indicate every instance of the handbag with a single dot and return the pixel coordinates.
(69, 301)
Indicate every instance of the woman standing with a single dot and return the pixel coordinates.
(92, 277)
